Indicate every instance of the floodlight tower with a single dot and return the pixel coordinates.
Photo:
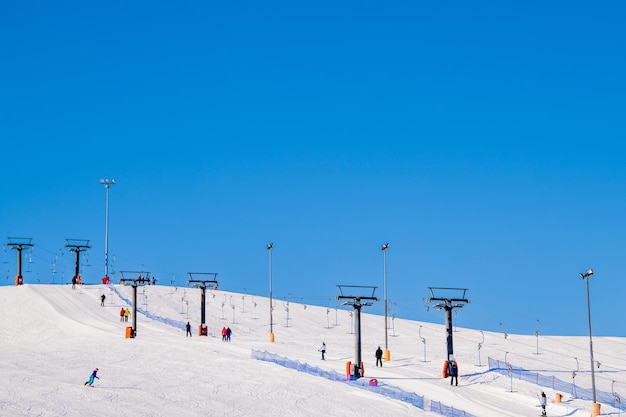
(19, 243)
(595, 407)
(203, 284)
(356, 369)
(107, 184)
(269, 250)
(384, 247)
(446, 303)
(77, 246)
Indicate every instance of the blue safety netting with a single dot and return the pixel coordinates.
(381, 388)
(550, 381)
(165, 320)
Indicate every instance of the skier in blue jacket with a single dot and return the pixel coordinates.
(92, 377)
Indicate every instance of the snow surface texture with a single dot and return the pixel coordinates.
(54, 336)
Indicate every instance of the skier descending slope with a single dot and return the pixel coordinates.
(92, 377)
(542, 402)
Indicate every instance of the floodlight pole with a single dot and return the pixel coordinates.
(19, 244)
(269, 250)
(107, 184)
(595, 408)
(384, 248)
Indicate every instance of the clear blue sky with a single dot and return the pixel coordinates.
(484, 141)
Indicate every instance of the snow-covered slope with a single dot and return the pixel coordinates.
(53, 336)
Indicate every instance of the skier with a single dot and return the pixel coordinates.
(379, 357)
(223, 334)
(323, 350)
(126, 314)
(543, 401)
(102, 297)
(453, 371)
(228, 333)
(122, 314)
(188, 330)
(92, 377)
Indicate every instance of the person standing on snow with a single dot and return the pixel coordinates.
(543, 400)
(188, 330)
(122, 314)
(102, 297)
(323, 350)
(223, 334)
(453, 371)
(126, 314)
(92, 377)
(379, 357)
(228, 333)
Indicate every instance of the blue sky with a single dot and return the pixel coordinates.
(485, 142)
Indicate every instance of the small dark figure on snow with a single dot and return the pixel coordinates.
(323, 350)
(543, 401)
(228, 333)
(188, 330)
(92, 377)
(102, 297)
(379, 357)
(453, 371)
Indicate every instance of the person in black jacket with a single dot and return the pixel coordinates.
(453, 371)
(379, 357)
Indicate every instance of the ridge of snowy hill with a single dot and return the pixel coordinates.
(53, 336)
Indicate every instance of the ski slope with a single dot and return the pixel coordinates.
(53, 336)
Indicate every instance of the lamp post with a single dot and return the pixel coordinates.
(269, 249)
(595, 407)
(107, 184)
(384, 248)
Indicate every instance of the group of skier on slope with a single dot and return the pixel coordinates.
(451, 368)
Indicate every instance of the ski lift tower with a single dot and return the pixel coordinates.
(20, 243)
(448, 303)
(349, 292)
(203, 284)
(141, 281)
(77, 246)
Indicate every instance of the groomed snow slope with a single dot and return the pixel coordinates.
(53, 336)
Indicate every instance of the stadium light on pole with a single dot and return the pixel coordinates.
(107, 184)
(595, 407)
(384, 247)
(269, 249)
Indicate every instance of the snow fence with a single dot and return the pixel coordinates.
(165, 320)
(603, 397)
(363, 383)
